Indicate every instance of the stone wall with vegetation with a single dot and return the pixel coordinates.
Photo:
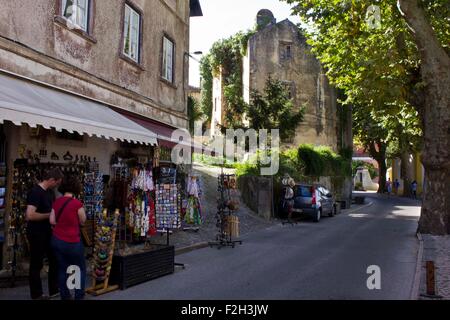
(305, 164)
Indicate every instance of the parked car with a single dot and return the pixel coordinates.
(314, 201)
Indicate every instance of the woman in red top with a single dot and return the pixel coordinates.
(67, 216)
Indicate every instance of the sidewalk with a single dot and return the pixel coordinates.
(437, 249)
(248, 221)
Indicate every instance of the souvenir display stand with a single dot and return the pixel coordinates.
(151, 208)
(105, 237)
(152, 260)
(168, 210)
(227, 222)
(92, 200)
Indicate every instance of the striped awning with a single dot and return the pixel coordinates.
(23, 101)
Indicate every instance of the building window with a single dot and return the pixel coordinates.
(131, 33)
(77, 12)
(168, 59)
(286, 51)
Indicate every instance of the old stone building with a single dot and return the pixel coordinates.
(280, 51)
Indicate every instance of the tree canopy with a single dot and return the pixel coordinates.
(391, 58)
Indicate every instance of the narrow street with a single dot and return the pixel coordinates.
(136, 134)
(327, 260)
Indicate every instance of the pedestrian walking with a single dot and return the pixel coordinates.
(396, 186)
(389, 186)
(414, 189)
(288, 195)
(67, 217)
(39, 206)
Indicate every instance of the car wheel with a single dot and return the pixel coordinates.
(317, 215)
(332, 212)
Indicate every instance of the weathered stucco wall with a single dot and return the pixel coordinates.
(218, 110)
(35, 45)
(257, 194)
(302, 71)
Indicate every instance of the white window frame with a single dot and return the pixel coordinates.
(79, 14)
(132, 33)
(168, 56)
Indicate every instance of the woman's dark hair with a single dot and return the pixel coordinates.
(70, 184)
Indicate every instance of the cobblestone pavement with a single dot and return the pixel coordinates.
(248, 221)
(437, 249)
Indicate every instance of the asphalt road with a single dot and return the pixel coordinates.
(326, 260)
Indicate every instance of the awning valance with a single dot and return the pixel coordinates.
(23, 101)
(164, 134)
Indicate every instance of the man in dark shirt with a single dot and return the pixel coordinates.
(39, 233)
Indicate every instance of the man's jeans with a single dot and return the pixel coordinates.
(39, 249)
(68, 254)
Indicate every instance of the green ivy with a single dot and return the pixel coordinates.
(206, 103)
(305, 163)
(226, 56)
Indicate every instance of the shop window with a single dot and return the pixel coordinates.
(77, 12)
(131, 33)
(168, 59)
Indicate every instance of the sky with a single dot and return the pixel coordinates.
(222, 19)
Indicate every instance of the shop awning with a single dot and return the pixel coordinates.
(164, 133)
(26, 102)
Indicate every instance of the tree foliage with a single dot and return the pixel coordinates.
(376, 68)
(397, 72)
(194, 112)
(272, 109)
(206, 103)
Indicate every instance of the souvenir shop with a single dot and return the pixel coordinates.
(132, 192)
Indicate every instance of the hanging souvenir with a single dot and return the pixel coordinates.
(193, 209)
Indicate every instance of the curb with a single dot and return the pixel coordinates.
(192, 247)
(417, 276)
